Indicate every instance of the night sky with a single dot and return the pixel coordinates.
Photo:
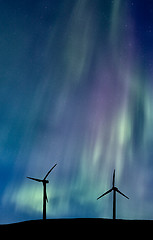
(76, 89)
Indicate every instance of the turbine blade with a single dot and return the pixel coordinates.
(105, 193)
(46, 197)
(122, 193)
(35, 179)
(114, 178)
(49, 171)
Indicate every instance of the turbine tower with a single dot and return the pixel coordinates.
(44, 181)
(114, 189)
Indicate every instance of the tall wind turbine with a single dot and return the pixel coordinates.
(114, 189)
(44, 181)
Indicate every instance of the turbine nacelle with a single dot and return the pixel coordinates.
(45, 181)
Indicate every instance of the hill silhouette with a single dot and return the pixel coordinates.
(83, 227)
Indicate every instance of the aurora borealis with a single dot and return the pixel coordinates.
(76, 89)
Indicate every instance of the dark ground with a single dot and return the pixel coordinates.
(80, 228)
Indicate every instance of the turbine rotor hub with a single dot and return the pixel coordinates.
(45, 181)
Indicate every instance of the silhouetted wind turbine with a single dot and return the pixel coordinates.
(44, 181)
(114, 189)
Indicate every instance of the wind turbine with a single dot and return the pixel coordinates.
(114, 189)
(44, 181)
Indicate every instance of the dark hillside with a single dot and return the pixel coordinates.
(71, 228)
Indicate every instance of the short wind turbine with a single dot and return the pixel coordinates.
(44, 181)
(114, 189)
